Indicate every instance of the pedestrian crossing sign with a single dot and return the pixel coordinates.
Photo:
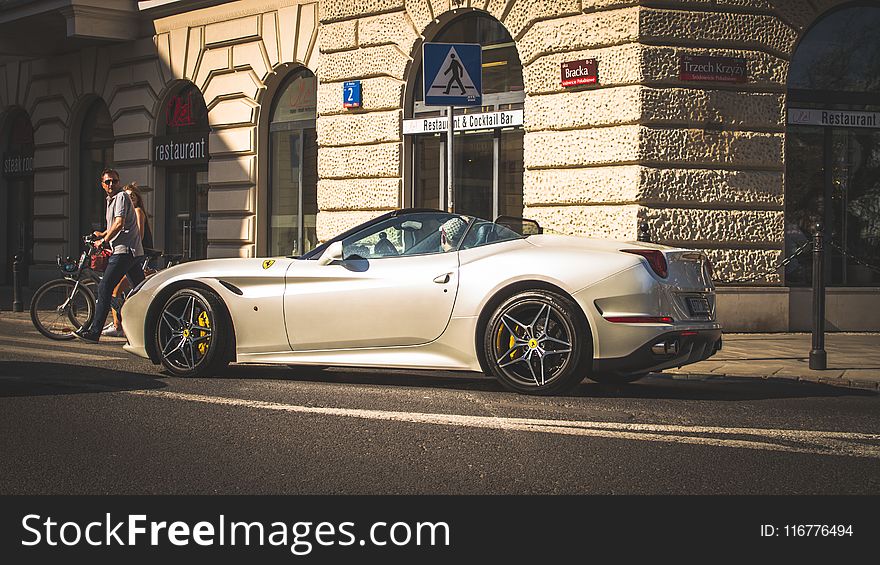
(452, 74)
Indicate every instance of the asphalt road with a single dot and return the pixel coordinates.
(84, 419)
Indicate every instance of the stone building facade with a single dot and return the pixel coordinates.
(700, 163)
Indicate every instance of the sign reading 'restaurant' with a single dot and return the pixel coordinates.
(583, 71)
(841, 118)
(182, 149)
(713, 69)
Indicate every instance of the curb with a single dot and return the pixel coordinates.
(861, 384)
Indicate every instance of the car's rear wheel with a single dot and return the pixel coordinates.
(193, 333)
(537, 343)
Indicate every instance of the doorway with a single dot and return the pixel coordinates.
(19, 226)
(186, 232)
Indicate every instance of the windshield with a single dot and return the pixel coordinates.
(417, 232)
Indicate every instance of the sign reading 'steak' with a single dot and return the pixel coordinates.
(713, 69)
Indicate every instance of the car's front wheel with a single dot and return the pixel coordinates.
(193, 333)
(536, 343)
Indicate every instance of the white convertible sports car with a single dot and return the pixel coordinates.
(428, 289)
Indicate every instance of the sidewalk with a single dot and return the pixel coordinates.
(853, 359)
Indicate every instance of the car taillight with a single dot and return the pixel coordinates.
(640, 319)
(655, 259)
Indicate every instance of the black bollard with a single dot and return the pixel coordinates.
(818, 357)
(644, 232)
(16, 285)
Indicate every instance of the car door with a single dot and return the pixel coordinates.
(370, 300)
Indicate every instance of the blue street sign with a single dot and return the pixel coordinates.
(452, 74)
(351, 94)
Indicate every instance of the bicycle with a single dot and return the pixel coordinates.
(62, 306)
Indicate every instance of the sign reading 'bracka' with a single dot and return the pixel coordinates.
(583, 71)
(713, 69)
(180, 149)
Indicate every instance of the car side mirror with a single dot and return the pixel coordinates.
(331, 254)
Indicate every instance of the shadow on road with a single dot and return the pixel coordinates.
(339, 375)
(717, 388)
(654, 386)
(23, 378)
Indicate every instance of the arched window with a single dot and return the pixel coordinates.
(181, 151)
(293, 166)
(95, 153)
(832, 148)
(488, 162)
(18, 174)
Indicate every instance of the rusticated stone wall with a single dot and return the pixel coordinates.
(701, 163)
(713, 154)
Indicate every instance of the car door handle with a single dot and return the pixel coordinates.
(442, 279)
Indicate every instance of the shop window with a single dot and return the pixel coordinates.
(95, 154)
(488, 163)
(293, 166)
(833, 147)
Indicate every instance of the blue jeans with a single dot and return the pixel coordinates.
(119, 265)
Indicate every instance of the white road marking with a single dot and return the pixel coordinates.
(792, 441)
(50, 353)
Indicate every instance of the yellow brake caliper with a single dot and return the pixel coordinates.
(204, 322)
(512, 341)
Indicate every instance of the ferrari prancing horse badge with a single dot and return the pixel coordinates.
(268, 263)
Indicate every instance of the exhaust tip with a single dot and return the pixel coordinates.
(665, 348)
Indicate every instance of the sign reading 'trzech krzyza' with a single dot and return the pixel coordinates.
(582, 71)
(712, 69)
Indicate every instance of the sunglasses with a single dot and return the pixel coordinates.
(108, 182)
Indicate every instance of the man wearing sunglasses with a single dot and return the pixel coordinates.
(124, 238)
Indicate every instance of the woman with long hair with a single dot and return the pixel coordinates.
(143, 221)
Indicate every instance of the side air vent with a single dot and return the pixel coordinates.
(231, 287)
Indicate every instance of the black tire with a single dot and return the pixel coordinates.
(617, 378)
(193, 333)
(537, 342)
(56, 314)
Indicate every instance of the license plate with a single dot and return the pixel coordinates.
(698, 306)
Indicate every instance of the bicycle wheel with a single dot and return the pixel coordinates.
(57, 312)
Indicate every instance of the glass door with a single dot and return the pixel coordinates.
(187, 212)
(293, 202)
(854, 197)
(19, 225)
(474, 171)
(488, 172)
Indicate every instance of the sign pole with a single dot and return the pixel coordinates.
(452, 74)
(450, 168)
